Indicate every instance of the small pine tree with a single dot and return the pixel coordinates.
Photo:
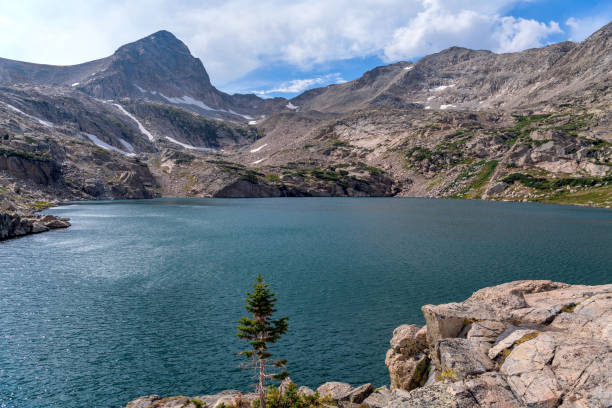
(260, 331)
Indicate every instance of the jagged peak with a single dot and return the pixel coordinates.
(161, 39)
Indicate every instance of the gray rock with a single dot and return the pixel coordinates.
(338, 391)
(529, 374)
(508, 341)
(143, 402)
(379, 398)
(359, 394)
(303, 390)
(406, 360)
(461, 357)
(37, 227)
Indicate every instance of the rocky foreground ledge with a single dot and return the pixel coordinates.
(14, 225)
(520, 344)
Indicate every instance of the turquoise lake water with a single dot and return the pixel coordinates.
(142, 297)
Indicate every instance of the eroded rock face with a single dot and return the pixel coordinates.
(520, 344)
(406, 360)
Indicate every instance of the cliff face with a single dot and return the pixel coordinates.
(520, 344)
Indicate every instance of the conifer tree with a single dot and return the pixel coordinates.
(259, 331)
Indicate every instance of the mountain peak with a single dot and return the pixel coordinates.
(159, 42)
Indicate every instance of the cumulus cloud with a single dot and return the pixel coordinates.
(437, 27)
(300, 85)
(234, 37)
(581, 28)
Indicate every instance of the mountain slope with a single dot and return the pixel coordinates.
(145, 122)
(158, 67)
(460, 78)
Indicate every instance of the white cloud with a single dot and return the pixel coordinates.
(234, 37)
(438, 26)
(581, 28)
(299, 85)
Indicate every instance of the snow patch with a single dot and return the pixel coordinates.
(252, 122)
(431, 97)
(95, 140)
(409, 68)
(75, 84)
(259, 148)
(190, 147)
(258, 161)
(186, 100)
(240, 114)
(441, 88)
(39, 120)
(142, 129)
(447, 106)
(292, 106)
(142, 90)
(128, 146)
(428, 107)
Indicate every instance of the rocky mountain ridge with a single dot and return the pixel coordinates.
(146, 122)
(519, 344)
(158, 67)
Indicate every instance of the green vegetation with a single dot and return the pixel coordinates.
(421, 373)
(569, 308)
(339, 143)
(198, 403)
(593, 196)
(541, 183)
(40, 205)
(575, 123)
(466, 174)
(447, 374)
(527, 337)
(251, 176)
(419, 153)
(483, 176)
(28, 156)
(293, 399)
(485, 173)
(275, 178)
(261, 330)
(329, 175)
(374, 171)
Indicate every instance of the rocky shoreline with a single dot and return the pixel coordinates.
(15, 225)
(519, 344)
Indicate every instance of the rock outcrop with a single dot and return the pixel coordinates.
(520, 344)
(14, 225)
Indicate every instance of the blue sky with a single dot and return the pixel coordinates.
(281, 48)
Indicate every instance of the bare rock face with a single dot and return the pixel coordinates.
(520, 344)
(379, 398)
(338, 391)
(143, 402)
(406, 359)
(460, 358)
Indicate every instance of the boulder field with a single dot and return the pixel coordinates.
(520, 344)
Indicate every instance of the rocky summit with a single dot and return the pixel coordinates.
(147, 122)
(519, 344)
